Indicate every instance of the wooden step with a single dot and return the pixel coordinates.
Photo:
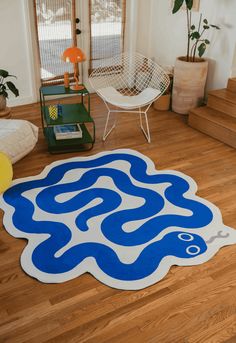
(222, 100)
(232, 84)
(214, 123)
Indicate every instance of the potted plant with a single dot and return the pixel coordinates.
(190, 72)
(163, 102)
(5, 87)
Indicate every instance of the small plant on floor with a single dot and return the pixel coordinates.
(195, 33)
(5, 87)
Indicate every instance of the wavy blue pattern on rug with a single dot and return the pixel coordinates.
(179, 243)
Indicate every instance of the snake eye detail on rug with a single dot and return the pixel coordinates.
(112, 215)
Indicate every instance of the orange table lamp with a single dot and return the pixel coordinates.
(74, 55)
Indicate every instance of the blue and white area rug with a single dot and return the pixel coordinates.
(112, 215)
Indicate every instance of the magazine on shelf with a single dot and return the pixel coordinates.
(69, 131)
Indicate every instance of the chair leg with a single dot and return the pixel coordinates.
(147, 131)
(105, 133)
(140, 117)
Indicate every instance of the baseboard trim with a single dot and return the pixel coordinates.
(21, 101)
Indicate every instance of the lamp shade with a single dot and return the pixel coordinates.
(73, 55)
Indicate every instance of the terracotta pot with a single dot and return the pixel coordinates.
(3, 103)
(189, 84)
(162, 103)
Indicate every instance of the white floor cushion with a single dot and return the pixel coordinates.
(111, 95)
(17, 138)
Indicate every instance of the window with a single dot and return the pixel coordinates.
(107, 27)
(54, 22)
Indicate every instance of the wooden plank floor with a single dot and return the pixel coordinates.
(190, 305)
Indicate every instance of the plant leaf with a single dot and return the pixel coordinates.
(205, 21)
(4, 93)
(3, 87)
(201, 49)
(4, 73)
(215, 27)
(177, 5)
(191, 36)
(12, 88)
(195, 35)
(189, 4)
(206, 27)
(207, 41)
(193, 27)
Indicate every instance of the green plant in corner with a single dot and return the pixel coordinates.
(6, 85)
(195, 34)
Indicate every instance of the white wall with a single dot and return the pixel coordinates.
(166, 38)
(234, 64)
(16, 49)
(131, 25)
(144, 25)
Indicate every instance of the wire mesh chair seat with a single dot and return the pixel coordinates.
(131, 82)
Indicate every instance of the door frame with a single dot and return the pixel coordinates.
(59, 78)
(83, 40)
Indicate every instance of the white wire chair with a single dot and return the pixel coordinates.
(130, 82)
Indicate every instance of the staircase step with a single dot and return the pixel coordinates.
(232, 84)
(214, 123)
(222, 100)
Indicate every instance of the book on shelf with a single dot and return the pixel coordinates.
(69, 131)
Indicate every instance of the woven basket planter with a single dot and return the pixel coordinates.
(189, 84)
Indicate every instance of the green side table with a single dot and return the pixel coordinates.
(75, 113)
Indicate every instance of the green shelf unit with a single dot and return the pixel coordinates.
(71, 114)
(61, 90)
(64, 145)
